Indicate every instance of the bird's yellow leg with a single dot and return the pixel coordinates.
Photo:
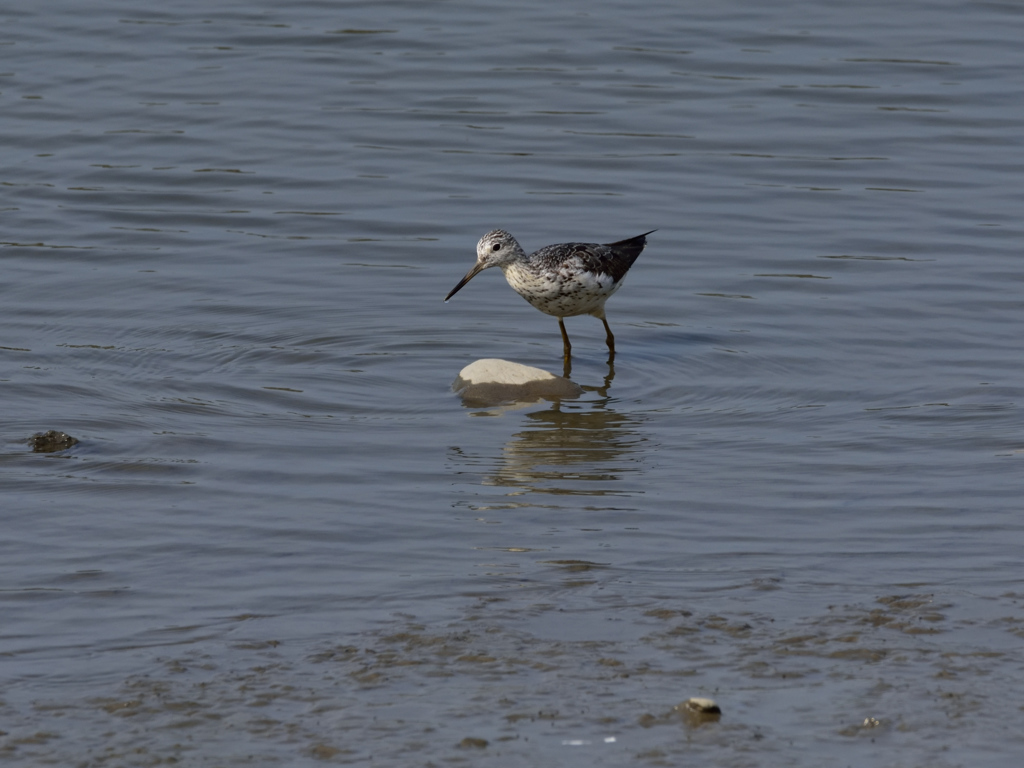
(609, 338)
(566, 346)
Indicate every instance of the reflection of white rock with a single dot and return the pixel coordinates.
(490, 381)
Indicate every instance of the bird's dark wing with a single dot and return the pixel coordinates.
(613, 259)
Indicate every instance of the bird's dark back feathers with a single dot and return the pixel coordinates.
(612, 259)
(623, 254)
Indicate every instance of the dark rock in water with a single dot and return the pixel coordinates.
(52, 441)
(491, 382)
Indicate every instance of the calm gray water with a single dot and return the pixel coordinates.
(282, 540)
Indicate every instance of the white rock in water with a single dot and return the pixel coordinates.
(495, 371)
(700, 706)
(493, 381)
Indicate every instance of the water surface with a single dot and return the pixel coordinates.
(227, 232)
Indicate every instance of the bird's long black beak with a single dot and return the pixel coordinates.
(469, 276)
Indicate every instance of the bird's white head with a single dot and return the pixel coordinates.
(496, 249)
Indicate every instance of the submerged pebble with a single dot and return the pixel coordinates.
(51, 441)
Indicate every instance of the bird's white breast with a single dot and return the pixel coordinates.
(565, 291)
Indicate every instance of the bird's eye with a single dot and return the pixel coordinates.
(496, 247)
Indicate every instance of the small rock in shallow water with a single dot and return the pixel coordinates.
(490, 382)
(706, 706)
(698, 710)
(52, 441)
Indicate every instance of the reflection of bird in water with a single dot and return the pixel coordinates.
(563, 280)
(572, 453)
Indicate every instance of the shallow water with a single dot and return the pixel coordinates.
(226, 237)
